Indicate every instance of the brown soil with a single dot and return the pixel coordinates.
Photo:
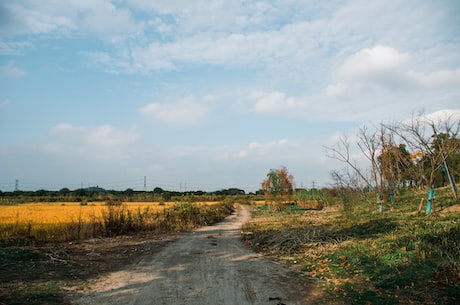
(70, 264)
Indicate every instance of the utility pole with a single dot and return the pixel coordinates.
(16, 185)
(145, 183)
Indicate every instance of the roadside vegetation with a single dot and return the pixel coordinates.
(361, 256)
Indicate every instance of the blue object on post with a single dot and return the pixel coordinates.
(430, 200)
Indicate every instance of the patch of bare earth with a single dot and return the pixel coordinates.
(26, 270)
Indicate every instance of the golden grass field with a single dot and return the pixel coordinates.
(70, 212)
(64, 221)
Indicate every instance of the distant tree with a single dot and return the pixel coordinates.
(158, 190)
(129, 192)
(80, 192)
(260, 192)
(166, 195)
(279, 185)
(64, 192)
(42, 192)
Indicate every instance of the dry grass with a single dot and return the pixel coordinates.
(61, 221)
(70, 212)
(361, 256)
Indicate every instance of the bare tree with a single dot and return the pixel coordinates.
(342, 153)
(369, 143)
(446, 144)
(432, 141)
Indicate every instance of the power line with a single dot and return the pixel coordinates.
(140, 183)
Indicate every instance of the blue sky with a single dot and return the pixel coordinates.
(210, 94)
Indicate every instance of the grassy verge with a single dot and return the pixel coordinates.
(360, 256)
(35, 271)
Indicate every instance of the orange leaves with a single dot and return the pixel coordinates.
(279, 182)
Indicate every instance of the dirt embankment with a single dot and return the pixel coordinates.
(206, 266)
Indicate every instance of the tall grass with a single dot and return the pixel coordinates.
(115, 218)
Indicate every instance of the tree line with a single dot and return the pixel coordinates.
(99, 194)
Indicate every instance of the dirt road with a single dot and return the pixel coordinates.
(207, 266)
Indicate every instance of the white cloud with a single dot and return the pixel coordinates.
(277, 102)
(436, 79)
(257, 149)
(255, 49)
(388, 68)
(105, 17)
(373, 62)
(51, 17)
(185, 111)
(383, 82)
(34, 18)
(443, 116)
(104, 136)
(377, 59)
(216, 16)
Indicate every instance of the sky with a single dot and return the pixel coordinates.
(208, 95)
